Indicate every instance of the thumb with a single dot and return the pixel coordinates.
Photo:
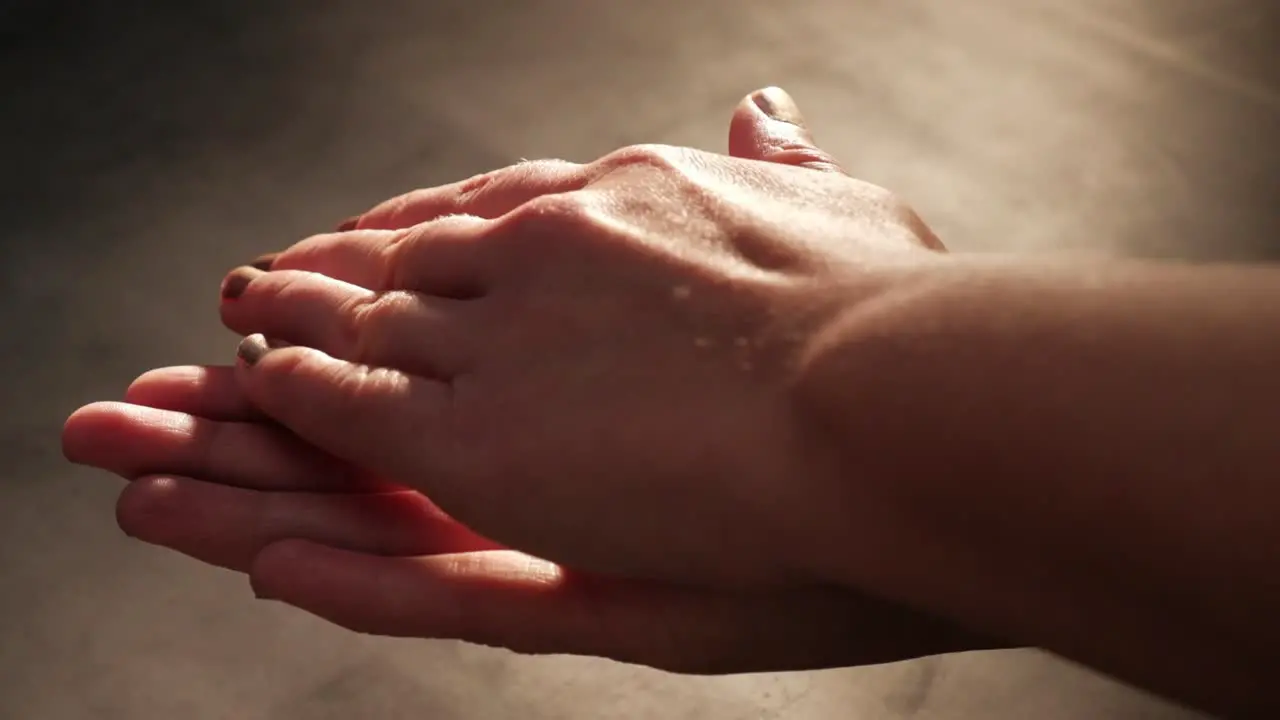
(767, 126)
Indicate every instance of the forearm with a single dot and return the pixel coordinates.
(1085, 458)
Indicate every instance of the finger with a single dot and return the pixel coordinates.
(500, 598)
(511, 600)
(420, 334)
(440, 257)
(490, 195)
(356, 257)
(767, 126)
(383, 419)
(227, 526)
(265, 261)
(204, 391)
(132, 441)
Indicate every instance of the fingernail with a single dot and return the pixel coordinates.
(777, 104)
(234, 284)
(349, 224)
(251, 349)
(264, 262)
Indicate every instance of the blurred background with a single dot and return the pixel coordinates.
(146, 148)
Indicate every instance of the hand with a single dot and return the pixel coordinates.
(217, 482)
(593, 363)
(221, 483)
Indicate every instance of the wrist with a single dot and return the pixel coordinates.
(1056, 453)
(872, 451)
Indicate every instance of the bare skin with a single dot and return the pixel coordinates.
(1105, 465)
(729, 376)
(215, 479)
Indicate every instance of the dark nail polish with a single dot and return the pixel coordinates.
(234, 284)
(349, 224)
(251, 349)
(264, 262)
(777, 104)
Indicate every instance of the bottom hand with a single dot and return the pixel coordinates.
(217, 483)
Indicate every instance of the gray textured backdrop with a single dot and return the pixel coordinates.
(148, 147)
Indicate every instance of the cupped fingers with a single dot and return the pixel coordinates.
(228, 526)
(210, 392)
(134, 440)
(509, 599)
(392, 422)
(414, 332)
(497, 598)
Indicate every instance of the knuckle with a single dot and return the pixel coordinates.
(366, 321)
(557, 207)
(469, 191)
(874, 195)
(350, 391)
(307, 252)
(651, 155)
(275, 299)
(804, 155)
(475, 192)
(538, 168)
(283, 287)
(397, 255)
(289, 384)
(388, 214)
(547, 212)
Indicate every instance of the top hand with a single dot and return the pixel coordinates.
(592, 363)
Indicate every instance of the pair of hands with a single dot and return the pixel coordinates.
(595, 364)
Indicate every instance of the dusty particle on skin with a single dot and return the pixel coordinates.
(681, 292)
(702, 343)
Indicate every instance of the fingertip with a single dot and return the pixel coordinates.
(153, 384)
(251, 349)
(757, 116)
(265, 262)
(204, 391)
(777, 104)
(73, 434)
(143, 505)
(250, 353)
(84, 428)
(84, 414)
(768, 126)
